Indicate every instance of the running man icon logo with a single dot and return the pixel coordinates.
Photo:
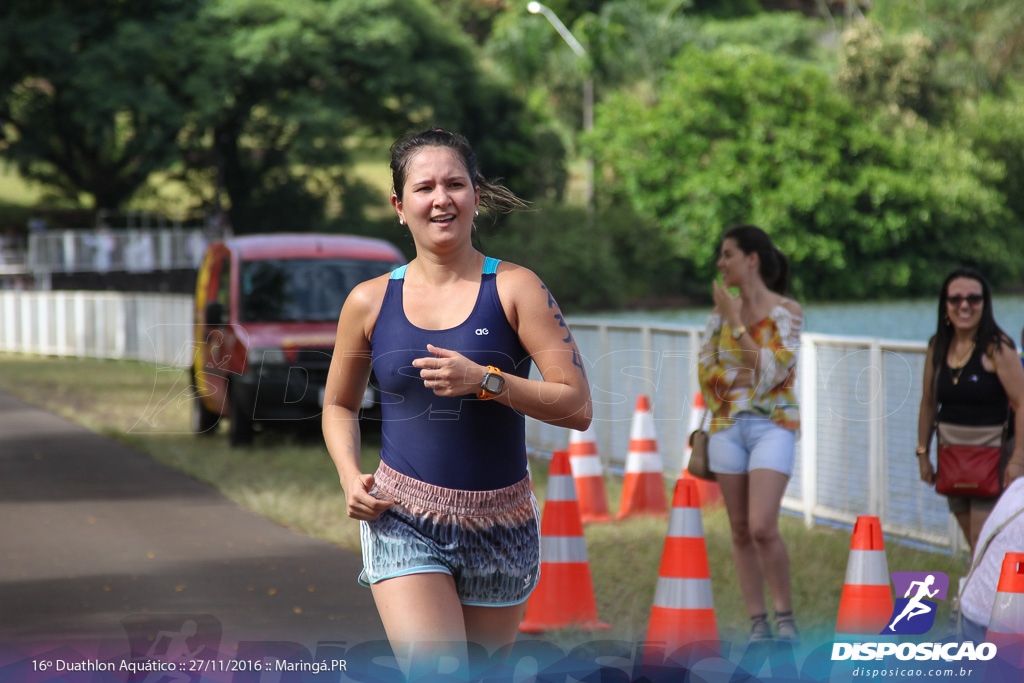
(914, 613)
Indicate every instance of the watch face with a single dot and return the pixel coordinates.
(493, 383)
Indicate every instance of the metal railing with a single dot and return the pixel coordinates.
(104, 250)
(859, 398)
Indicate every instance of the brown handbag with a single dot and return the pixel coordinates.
(969, 459)
(698, 464)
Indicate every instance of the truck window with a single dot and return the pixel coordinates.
(302, 290)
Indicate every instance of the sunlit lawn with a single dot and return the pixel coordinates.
(289, 477)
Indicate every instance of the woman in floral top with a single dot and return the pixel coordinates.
(747, 374)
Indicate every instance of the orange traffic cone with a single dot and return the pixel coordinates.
(866, 603)
(564, 597)
(683, 611)
(1006, 625)
(710, 494)
(589, 476)
(643, 489)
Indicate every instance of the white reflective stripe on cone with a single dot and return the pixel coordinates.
(685, 523)
(1007, 614)
(642, 427)
(585, 466)
(643, 462)
(563, 549)
(867, 568)
(683, 594)
(561, 487)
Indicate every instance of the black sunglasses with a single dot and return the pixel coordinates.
(972, 299)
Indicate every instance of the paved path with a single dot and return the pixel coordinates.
(101, 543)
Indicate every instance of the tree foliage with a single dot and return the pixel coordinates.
(896, 73)
(878, 160)
(93, 93)
(293, 83)
(980, 43)
(778, 33)
(254, 102)
(995, 128)
(864, 206)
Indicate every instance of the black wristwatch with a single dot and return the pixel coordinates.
(492, 383)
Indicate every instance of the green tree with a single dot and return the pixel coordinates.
(863, 205)
(634, 41)
(980, 42)
(254, 103)
(93, 93)
(896, 72)
(995, 127)
(291, 84)
(779, 33)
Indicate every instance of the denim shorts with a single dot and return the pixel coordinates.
(488, 541)
(752, 442)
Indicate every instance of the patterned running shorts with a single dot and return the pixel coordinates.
(488, 541)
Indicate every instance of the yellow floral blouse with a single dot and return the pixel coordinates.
(773, 393)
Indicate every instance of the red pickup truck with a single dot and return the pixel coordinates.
(266, 315)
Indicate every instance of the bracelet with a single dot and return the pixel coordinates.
(921, 450)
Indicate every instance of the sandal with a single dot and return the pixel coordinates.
(785, 624)
(760, 629)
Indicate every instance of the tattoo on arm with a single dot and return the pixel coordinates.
(576, 360)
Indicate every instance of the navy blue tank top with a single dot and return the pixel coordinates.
(456, 442)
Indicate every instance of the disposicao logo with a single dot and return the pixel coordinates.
(914, 613)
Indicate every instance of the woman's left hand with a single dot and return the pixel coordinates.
(449, 373)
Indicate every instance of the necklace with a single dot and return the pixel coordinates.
(958, 369)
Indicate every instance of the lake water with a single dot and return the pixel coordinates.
(904, 320)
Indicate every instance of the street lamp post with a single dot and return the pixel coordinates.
(588, 87)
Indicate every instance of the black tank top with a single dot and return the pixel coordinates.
(978, 397)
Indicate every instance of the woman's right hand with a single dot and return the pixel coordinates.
(362, 505)
(726, 304)
(927, 471)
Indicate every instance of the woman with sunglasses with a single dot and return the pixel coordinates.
(972, 374)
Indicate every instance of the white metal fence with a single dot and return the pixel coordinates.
(859, 400)
(104, 250)
(153, 328)
(859, 397)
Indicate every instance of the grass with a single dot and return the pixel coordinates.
(289, 478)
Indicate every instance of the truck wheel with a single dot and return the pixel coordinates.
(204, 422)
(239, 422)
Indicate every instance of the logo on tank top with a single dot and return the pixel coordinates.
(481, 331)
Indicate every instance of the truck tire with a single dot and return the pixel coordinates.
(204, 422)
(239, 421)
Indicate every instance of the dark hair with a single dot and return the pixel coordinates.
(493, 195)
(774, 266)
(989, 333)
